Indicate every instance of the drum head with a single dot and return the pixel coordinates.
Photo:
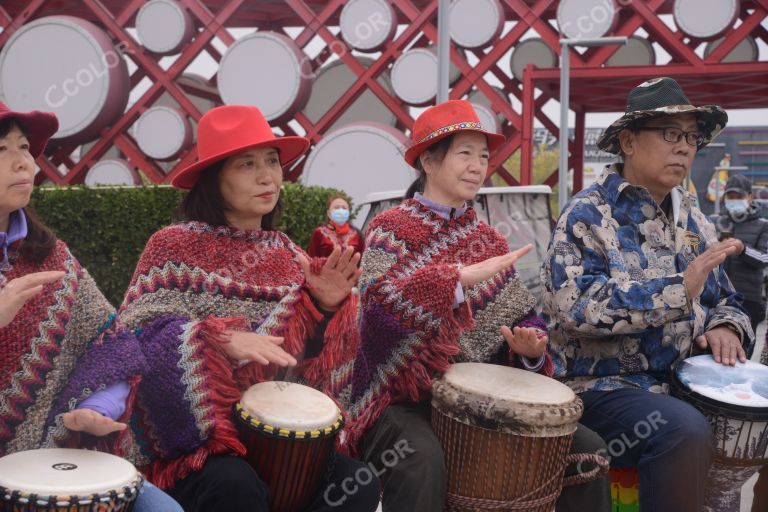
(532, 51)
(332, 81)
(527, 402)
(744, 385)
(164, 26)
(745, 51)
(289, 406)
(475, 23)
(367, 25)
(414, 76)
(163, 133)
(66, 472)
(586, 19)
(706, 19)
(245, 64)
(637, 52)
(361, 158)
(488, 118)
(67, 66)
(114, 172)
(477, 97)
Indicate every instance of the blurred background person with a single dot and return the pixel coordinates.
(741, 219)
(338, 232)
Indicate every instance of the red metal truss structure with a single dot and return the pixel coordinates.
(594, 87)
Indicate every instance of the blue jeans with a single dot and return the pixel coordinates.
(668, 440)
(152, 499)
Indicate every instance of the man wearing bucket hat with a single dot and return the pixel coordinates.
(633, 283)
(232, 301)
(439, 286)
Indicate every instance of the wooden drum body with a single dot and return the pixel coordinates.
(289, 431)
(506, 434)
(65, 479)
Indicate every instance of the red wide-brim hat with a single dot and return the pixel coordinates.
(446, 119)
(231, 129)
(38, 126)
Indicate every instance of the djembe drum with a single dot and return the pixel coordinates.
(289, 431)
(506, 434)
(65, 479)
(735, 401)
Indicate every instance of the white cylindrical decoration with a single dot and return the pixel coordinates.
(332, 81)
(476, 23)
(453, 72)
(637, 52)
(359, 158)
(164, 26)
(479, 98)
(488, 118)
(163, 133)
(586, 19)
(706, 19)
(414, 76)
(67, 66)
(367, 25)
(266, 70)
(114, 172)
(745, 51)
(532, 51)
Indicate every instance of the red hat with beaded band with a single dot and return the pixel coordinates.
(227, 130)
(446, 119)
(37, 126)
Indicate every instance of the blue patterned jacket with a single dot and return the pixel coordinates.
(619, 314)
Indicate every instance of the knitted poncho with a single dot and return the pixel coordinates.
(409, 328)
(191, 283)
(61, 347)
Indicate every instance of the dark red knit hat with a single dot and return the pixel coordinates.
(37, 126)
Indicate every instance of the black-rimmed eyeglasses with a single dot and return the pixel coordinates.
(672, 134)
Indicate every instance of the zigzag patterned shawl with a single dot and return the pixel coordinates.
(192, 282)
(409, 330)
(61, 346)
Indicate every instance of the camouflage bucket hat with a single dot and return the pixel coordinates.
(660, 97)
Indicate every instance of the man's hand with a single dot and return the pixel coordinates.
(696, 274)
(724, 344)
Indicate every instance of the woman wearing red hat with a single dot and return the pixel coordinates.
(337, 233)
(222, 301)
(58, 336)
(438, 285)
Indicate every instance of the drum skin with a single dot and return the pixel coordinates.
(62, 479)
(741, 432)
(503, 449)
(68, 66)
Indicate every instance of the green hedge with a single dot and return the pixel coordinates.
(107, 228)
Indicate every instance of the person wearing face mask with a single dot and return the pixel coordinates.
(741, 219)
(337, 233)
